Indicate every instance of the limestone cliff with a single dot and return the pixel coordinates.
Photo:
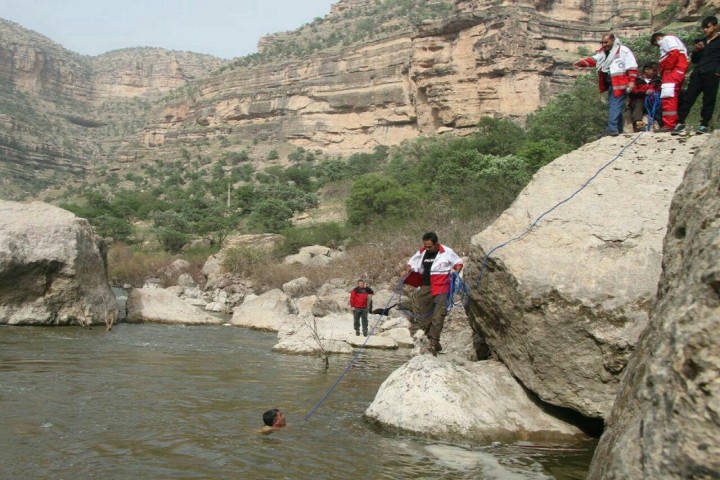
(370, 73)
(446, 75)
(58, 108)
(33, 64)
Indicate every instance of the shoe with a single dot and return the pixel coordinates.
(702, 129)
(434, 346)
(607, 134)
(639, 125)
(665, 130)
(678, 128)
(357, 333)
(365, 334)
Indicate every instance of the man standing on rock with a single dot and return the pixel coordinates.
(360, 302)
(617, 69)
(673, 66)
(430, 270)
(705, 77)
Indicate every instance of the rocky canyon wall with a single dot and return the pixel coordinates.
(485, 60)
(34, 64)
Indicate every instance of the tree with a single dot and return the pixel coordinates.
(377, 197)
(270, 215)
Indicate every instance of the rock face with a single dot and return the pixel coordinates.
(474, 401)
(666, 420)
(564, 305)
(33, 63)
(52, 269)
(57, 107)
(443, 77)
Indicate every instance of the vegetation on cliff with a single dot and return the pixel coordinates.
(356, 24)
(430, 181)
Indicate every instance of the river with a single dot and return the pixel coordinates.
(174, 402)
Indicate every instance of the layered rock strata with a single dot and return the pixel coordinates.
(482, 61)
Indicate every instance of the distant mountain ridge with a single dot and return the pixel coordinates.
(59, 110)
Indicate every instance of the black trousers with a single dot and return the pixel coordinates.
(705, 83)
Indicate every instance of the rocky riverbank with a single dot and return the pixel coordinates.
(560, 319)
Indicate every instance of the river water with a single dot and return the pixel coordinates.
(174, 402)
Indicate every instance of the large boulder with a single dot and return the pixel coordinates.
(454, 399)
(52, 268)
(666, 420)
(268, 311)
(564, 305)
(157, 305)
(312, 335)
(316, 255)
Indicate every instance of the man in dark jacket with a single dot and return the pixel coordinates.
(360, 302)
(704, 78)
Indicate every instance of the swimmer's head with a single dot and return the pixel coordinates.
(274, 418)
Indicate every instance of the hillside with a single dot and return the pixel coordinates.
(61, 113)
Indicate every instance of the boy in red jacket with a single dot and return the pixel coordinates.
(360, 301)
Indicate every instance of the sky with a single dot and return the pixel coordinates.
(224, 28)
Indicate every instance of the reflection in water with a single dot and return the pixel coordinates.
(161, 402)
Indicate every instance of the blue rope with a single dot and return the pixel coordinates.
(457, 287)
(354, 358)
(652, 102)
(537, 220)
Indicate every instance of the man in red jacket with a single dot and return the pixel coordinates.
(617, 68)
(673, 66)
(360, 301)
(430, 270)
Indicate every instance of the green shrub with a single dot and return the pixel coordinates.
(573, 118)
(294, 238)
(238, 260)
(171, 240)
(270, 215)
(376, 197)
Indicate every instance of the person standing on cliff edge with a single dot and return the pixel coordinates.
(617, 69)
(673, 66)
(430, 270)
(705, 77)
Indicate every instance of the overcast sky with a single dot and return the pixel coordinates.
(224, 28)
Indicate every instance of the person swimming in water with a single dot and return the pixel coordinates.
(274, 420)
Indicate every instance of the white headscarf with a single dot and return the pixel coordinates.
(604, 65)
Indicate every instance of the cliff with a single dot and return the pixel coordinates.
(443, 76)
(60, 110)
